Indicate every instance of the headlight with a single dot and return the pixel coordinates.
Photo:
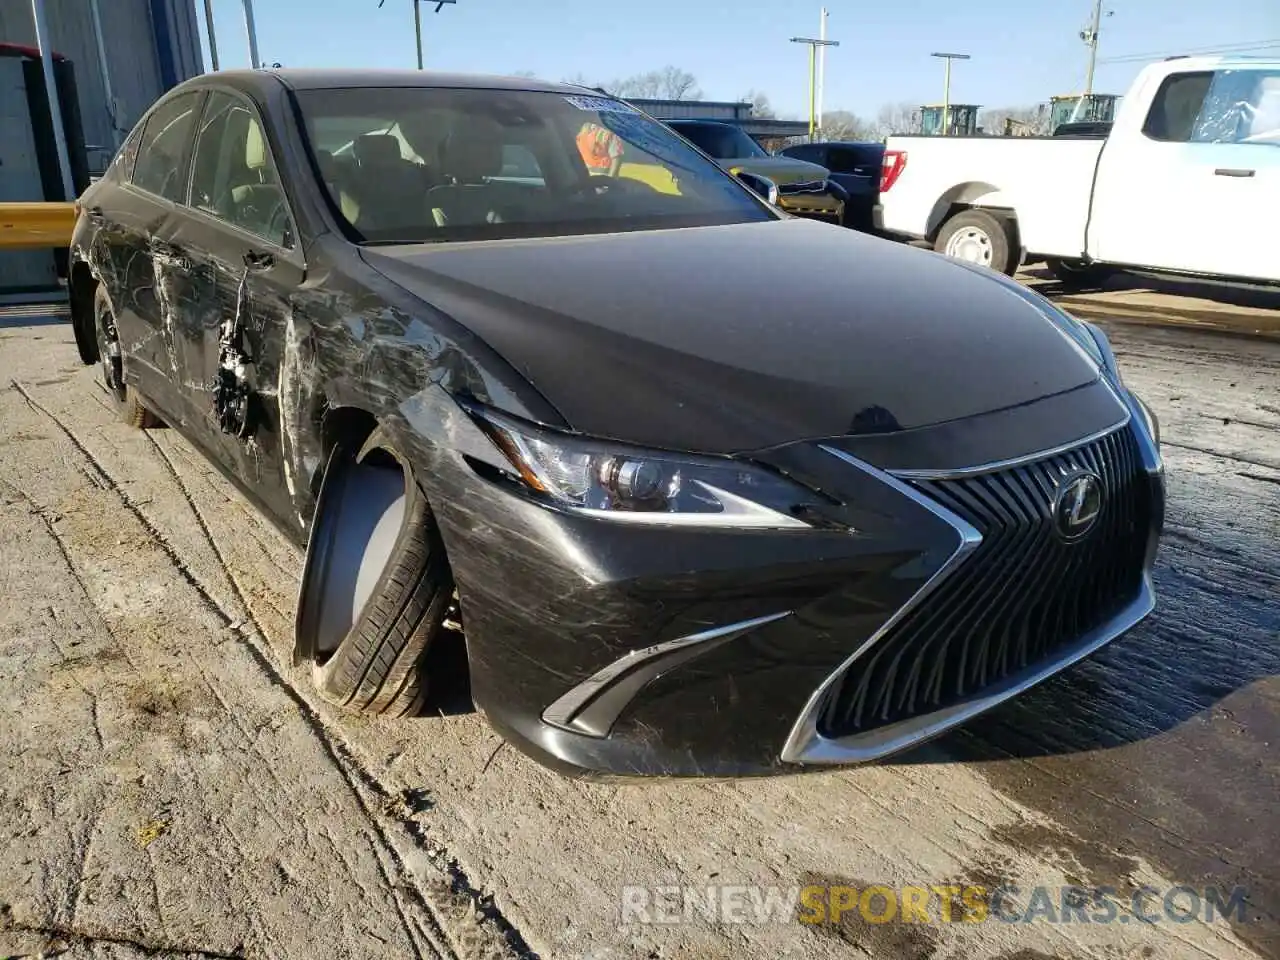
(612, 482)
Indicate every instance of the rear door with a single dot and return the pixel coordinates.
(135, 262)
(1197, 189)
(245, 266)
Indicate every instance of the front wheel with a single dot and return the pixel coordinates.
(976, 236)
(377, 584)
(124, 398)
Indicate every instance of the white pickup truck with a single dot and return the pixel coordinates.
(1187, 181)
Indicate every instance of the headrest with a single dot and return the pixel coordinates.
(472, 152)
(377, 149)
(255, 148)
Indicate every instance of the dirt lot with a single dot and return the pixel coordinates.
(173, 787)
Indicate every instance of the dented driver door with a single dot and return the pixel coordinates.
(243, 269)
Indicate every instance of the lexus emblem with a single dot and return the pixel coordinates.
(1078, 505)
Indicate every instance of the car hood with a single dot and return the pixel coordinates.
(733, 338)
(781, 170)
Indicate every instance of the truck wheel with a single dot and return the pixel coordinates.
(124, 398)
(976, 236)
(377, 584)
(1078, 275)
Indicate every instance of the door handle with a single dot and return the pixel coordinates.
(259, 260)
(1233, 172)
(96, 214)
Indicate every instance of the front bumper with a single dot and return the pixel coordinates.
(603, 649)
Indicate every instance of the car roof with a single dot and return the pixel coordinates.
(318, 79)
(686, 121)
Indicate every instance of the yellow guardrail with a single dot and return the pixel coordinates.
(30, 226)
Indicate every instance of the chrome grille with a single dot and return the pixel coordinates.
(1024, 596)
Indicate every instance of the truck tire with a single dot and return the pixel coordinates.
(378, 666)
(124, 398)
(976, 236)
(1078, 275)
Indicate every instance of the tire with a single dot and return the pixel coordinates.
(378, 666)
(1078, 275)
(976, 236)
(124, 398)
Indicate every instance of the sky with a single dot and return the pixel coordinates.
(1023, 51)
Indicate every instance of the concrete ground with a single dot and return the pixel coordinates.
(174, 789)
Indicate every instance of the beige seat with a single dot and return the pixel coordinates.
(258, 198)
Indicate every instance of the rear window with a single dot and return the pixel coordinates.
(422, 164)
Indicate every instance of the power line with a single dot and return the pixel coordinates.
(1194, 51)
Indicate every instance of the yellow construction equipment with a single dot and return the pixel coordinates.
(30, 226)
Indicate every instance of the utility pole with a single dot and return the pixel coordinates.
(417, 29)
(1090, 37)
(946, 87)
(254, 62)
(213, 40)
(814, 43)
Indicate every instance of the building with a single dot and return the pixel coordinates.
(125, 54)
(737, 113)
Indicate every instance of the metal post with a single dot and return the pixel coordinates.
(417, 29)
(946, 100)
(252, 30)
(814, 44)
(213, 39)
(105, 72)
(822, 66)
(51, 94)
(946, 88)
(812, 56)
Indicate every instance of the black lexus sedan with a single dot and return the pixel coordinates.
(718, 491)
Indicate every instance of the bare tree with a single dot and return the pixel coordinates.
(901, 117)
(669, 83)
(846, 125)
(760, 105)
(677, 84)
(1022, 121)
(527, 74)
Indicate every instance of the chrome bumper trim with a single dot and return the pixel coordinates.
(593, 705)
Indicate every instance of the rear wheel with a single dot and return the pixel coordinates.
(976, 236)
(377, 584)
(1078, 275)
(124, 398)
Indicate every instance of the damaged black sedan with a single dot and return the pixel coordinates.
(717, 490)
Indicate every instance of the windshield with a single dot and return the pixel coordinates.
(720, 140)
(422, 164)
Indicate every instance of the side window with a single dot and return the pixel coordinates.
(233, 176)
(160, 167)
(1176, 106)
(1242, 106)
(127, 155)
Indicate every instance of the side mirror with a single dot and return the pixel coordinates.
(762, 187)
